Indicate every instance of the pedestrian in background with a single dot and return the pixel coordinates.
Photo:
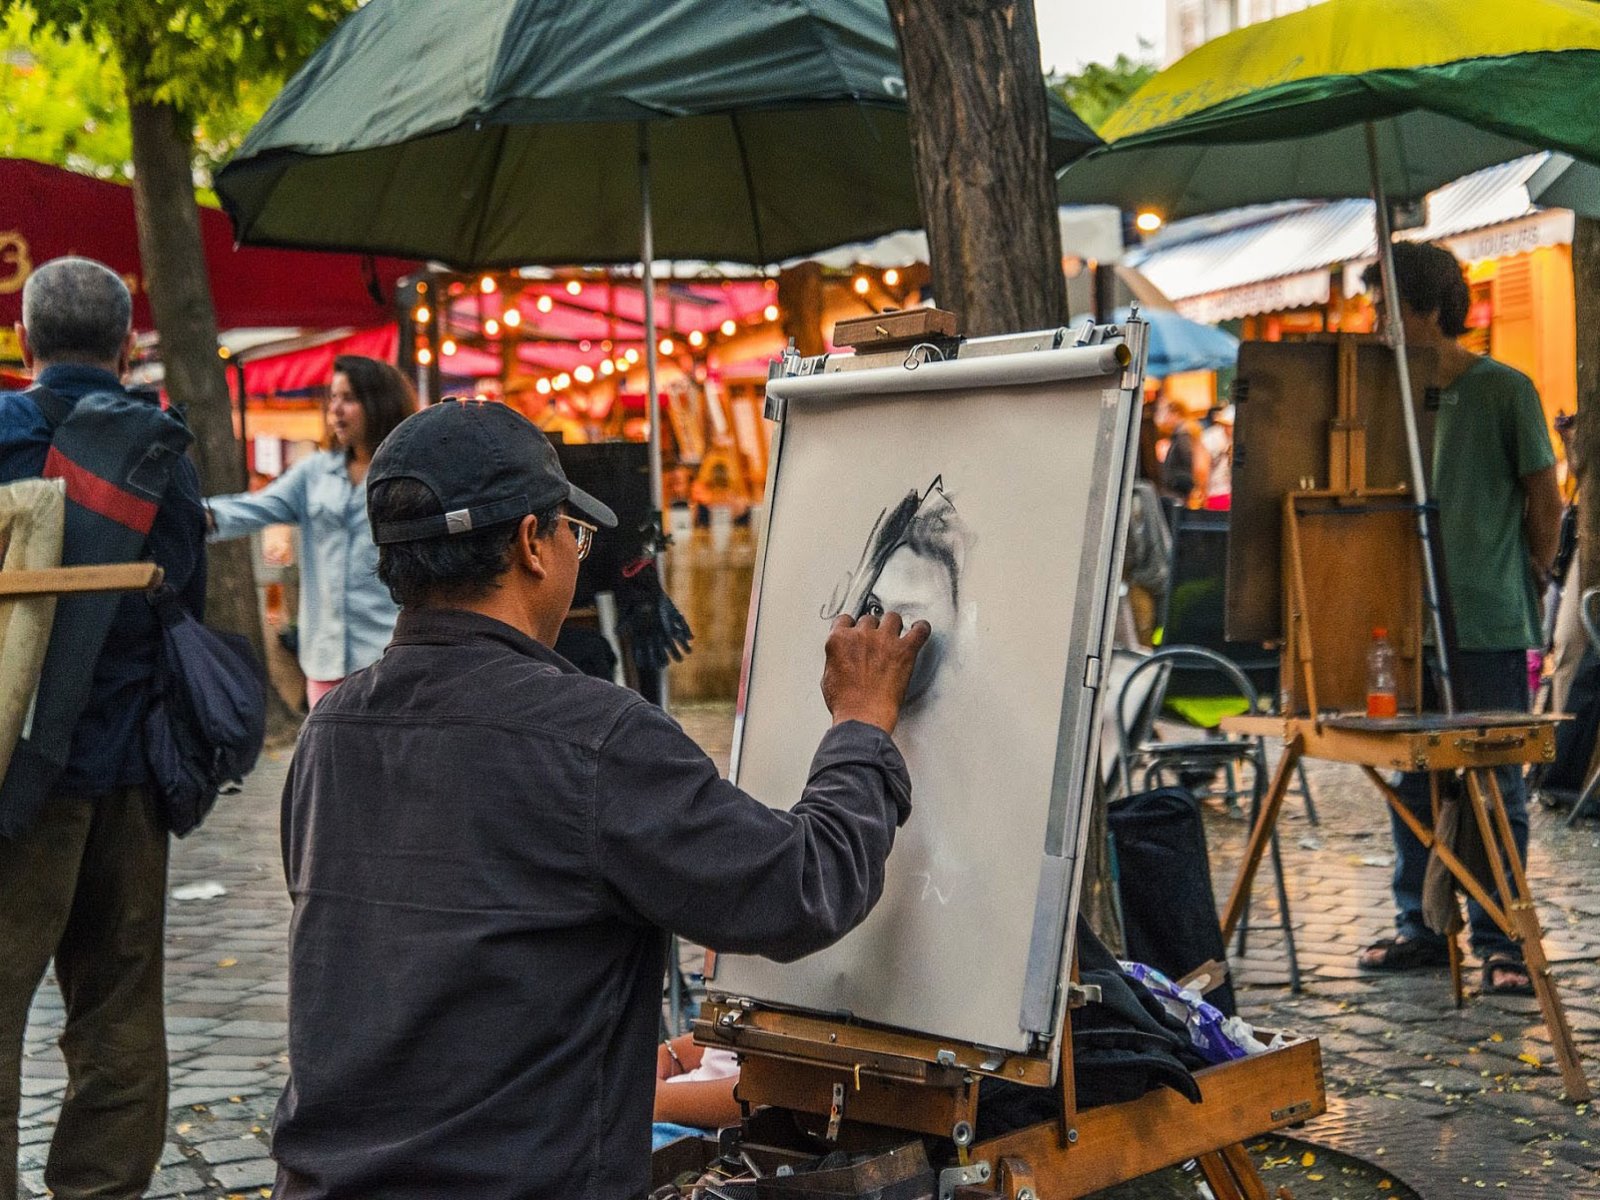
(83, 877)
(1186, 466)
(346, 616)
(1494, 479)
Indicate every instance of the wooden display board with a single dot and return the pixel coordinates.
(1351, 565)
(1316, 415)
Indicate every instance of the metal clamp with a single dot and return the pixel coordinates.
(952, 1178)
(1484, 745)
(929, 351)
(1079, 994)
(835, 1113)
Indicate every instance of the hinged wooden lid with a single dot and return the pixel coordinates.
(897, 327)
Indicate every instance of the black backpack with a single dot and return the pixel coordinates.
(207, 717)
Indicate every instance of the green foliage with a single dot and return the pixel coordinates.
(64, 95)
(61, 101)
(1095, 92)
(200, 56)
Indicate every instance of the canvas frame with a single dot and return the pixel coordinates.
(1115, 356)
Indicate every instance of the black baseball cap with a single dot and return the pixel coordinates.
(484, 462)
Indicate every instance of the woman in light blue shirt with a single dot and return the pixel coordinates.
(346, 615)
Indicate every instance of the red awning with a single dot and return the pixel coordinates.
(311, 366)
(46, 212)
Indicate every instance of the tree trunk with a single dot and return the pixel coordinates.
(980, 144)
(1586, 439)
(179, 291)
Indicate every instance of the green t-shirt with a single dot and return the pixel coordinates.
(1490, 434)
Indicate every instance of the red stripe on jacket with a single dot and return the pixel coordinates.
(88, 490)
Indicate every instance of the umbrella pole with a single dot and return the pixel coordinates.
(652, 405)
(1419, 479)
(647, 262)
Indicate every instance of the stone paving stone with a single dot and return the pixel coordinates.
(233, 1150)
(176, 1181)
(253, 1029)
(261, 1172)
(213, 1128)
(182, 1097)
(221, 1079)
(228, 1062)
(33, 1158)
(256, 1046)
(182, 1024)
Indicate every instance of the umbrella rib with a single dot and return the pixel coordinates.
(749, 186)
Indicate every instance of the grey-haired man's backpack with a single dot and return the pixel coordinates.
(208, 717)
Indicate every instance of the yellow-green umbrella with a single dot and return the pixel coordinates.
(1280, 110)
(1387, 98)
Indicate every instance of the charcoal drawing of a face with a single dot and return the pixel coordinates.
(911, 565)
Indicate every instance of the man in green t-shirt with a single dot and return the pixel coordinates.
(1494, 481)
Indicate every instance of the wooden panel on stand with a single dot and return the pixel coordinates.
(1353, 568)
(1320, 414)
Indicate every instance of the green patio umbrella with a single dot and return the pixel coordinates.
(503, 133)
(1381, 98)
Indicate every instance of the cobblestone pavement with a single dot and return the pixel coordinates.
(1450, 1103)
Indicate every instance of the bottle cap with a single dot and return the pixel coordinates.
(1378, 631)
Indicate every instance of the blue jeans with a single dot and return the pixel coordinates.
(1484, 679)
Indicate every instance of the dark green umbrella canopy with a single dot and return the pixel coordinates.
(503, 132)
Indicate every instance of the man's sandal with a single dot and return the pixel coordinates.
(1510, 971)
(1403, 954)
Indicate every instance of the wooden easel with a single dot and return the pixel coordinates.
(839, 1083)
(1474, 744)
(1351, 561)
(864, 1087)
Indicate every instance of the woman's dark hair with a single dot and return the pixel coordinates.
(385, 395)
(1430, 281)
(453, 569)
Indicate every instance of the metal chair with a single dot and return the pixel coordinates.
(1591, 629)
(1193, 614)
(1139, 750)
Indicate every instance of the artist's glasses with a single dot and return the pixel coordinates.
(584, 532)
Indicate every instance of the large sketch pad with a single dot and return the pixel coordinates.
(991, 491)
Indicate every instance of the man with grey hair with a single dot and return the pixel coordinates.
(83, 852)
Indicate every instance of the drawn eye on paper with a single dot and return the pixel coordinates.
(911, 565)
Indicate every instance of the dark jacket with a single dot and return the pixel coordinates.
(486, 852)
(108, 743)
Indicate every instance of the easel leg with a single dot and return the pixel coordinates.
(1231, 1175)
(1452, 940)
(1468, 881)
(1261, 835)
(1523, 926)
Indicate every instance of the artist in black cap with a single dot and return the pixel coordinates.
(487, 850)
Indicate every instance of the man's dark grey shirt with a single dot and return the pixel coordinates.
(486, 852)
